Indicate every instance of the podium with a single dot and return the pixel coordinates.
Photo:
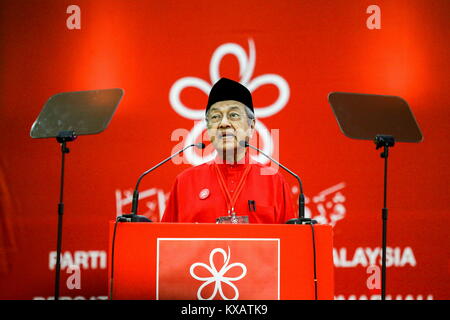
(184, 261)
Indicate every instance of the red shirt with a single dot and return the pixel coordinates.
(197, 195)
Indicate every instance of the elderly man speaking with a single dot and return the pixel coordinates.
(231, 188)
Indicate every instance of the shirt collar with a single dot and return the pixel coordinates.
(240, 165)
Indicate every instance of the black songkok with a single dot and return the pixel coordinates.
(226, 89)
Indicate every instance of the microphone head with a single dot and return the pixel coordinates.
(200, 145)
(243, 143)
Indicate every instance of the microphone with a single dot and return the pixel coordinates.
(134, 217)
(301, 207)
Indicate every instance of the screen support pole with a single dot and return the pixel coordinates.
(384, 141)
(62, 138)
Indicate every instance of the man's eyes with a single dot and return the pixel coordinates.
(231, 115)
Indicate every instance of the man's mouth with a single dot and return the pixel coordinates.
(226, 135)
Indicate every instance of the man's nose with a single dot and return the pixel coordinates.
(224, 122)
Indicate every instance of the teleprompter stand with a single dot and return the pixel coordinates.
(384, 120)
(384, 141)
(63, 137)
(64, 116)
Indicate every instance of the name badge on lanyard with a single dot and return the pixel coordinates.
(232, 219)
(231, 201)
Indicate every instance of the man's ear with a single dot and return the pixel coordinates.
(252, 129)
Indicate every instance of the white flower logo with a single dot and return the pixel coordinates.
(246, 67)
(218, 276)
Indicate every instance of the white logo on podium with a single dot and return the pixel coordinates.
(218, 276)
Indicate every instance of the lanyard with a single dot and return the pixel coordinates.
(231, 201)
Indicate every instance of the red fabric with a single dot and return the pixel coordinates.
(271, 193)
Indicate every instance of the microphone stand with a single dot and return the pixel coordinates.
(134, 217)
(384, 141)
(301, 201)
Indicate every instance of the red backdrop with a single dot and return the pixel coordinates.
(292, 54)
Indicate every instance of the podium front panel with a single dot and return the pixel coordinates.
(182, 261)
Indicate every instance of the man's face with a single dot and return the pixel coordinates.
(228, 125)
